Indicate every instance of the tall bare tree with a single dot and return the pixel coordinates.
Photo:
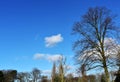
(62, 69)
(96, 27)
(53, 75)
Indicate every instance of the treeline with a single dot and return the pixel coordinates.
(35, 76)
(98, 45)
(8, 75)
(14, 76)
(59, 73)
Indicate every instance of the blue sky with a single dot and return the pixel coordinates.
(24, 25)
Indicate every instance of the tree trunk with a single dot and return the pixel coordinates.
(106, 73)
(107, 77)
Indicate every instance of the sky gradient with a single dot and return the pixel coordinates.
(33, 33)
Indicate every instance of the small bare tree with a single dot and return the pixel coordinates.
(36, 75)
(95, 29)
(23, 76)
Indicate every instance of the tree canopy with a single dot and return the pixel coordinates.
(95, 47)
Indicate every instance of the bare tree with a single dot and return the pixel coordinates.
(95, 28)
(62, 69)
(69, 77)
(53, 75)
(61, 72)
(36, 75)
(24, 76)
(82, 70)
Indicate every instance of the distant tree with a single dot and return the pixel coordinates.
(57, 78)
(1, 76)
(82, 70)
(24, 76)
(117, 79)
(62, 69)
(10, 75)
(20, 77)
(53, 75)
(76, 79)
(96, 26)
(69, 78)
(44, 79)
(103, 78)
(112, 75)
(98, 77)
(36, 75)
(92, 78)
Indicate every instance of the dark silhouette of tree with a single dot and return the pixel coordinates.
(44, 79)
(10, 75)
(95, 26)
(117, 79)
(1, 76)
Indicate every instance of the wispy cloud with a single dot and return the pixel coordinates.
(38, 56)
(53, 58)
(48, 57)
(111, 48)
(53, 40)
(46, 71)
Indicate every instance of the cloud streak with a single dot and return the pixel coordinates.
(53, 40)
(53, 58)
(48, 57)
(38, 56)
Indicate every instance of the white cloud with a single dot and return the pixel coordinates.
(111, 48)
(53, 58)
(53, 40)
(38, 56)
(46, 71)
(21, 58)
(68, 67)
(49, 57)
(110, 42)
